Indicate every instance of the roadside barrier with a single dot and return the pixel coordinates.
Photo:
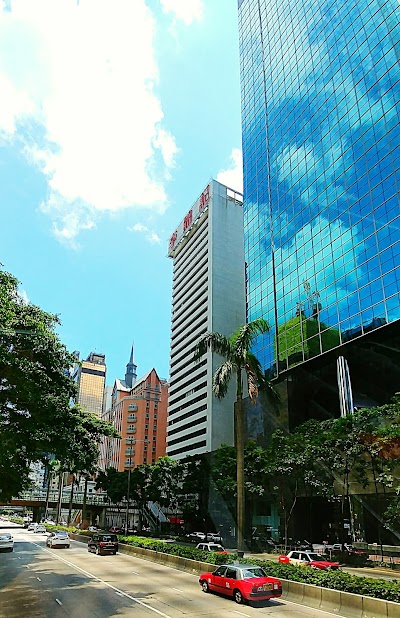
(343, 604)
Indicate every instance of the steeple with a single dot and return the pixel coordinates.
(131, 375)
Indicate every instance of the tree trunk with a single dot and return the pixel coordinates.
(71, 500)
(84, 510)
(48, 494)
(239, 435)
(60, 490)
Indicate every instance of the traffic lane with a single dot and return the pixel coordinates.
(33, 580)
(166, 590)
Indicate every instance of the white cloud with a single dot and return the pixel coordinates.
(151, 236)
(187, 11)
(24, 296)
(78, 91)
(233, 176)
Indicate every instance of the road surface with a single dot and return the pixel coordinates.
(38, 582)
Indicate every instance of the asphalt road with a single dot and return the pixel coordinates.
(37, 582)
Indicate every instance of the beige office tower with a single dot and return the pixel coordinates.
(90, 377)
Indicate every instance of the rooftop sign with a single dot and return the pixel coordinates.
(189, 219)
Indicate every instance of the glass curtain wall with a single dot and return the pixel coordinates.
(320, 87)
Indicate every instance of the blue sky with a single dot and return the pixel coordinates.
(113, 117)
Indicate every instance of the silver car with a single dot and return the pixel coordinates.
(58, 538)
(6, 541)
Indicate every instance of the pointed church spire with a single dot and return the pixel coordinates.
(131, 375)
(132, 358)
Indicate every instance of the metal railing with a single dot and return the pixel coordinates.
(41, 496)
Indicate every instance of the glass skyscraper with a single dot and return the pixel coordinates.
(320, 84)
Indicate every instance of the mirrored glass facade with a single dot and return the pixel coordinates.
(320, 84)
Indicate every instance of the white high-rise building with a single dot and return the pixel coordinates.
(208, 295)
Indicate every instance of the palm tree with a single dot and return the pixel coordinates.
(239, 360)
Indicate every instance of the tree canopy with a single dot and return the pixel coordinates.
(36, 390)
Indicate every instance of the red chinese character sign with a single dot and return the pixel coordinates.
(187, 222)
(172, 240)
(204, 197)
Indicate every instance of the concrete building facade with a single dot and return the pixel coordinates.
(139, 413)
(208, 295)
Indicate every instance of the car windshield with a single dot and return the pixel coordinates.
(5, 537)
(316, 557)
(61, 533)
(215, 547)
(107, 538)
(254, 572)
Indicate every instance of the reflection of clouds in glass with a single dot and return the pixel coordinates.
(330, 88)
(329, 272)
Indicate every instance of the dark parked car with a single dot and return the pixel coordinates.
(103, 543)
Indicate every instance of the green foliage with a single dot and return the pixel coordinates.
(238, 358)
(114, 483)
(36, 417)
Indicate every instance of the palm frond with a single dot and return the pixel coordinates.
(252, 386)
(257, 381)
(221, 379)
(215, 342)
(243, 339)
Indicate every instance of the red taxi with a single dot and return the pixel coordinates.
(243, 582)
(309, 558)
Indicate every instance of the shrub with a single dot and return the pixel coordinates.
(336, 580)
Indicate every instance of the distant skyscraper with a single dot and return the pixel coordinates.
(208, 294)
(90, 377)
(321, 152)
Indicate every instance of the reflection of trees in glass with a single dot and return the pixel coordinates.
(298, 335)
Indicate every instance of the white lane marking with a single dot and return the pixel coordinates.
(38, 578)
(135, 573)
(119, 593)
(177, 589)
(323, 611)
(91, 576)
(58, 601)
(241, 613)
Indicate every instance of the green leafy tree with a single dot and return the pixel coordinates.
(140, 482)
(241, 362)
(195, 491)
(114, 483)
(36, 417)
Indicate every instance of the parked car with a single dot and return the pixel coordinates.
(215, 547)
(32, 526)
(58, 538)
(215, 537)
(195, 537)
(6, 541)
(347, 548)
(243, 582)
(40, 529)
(103, 544)
(308, 558)
(93, 529)
(115, 530)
